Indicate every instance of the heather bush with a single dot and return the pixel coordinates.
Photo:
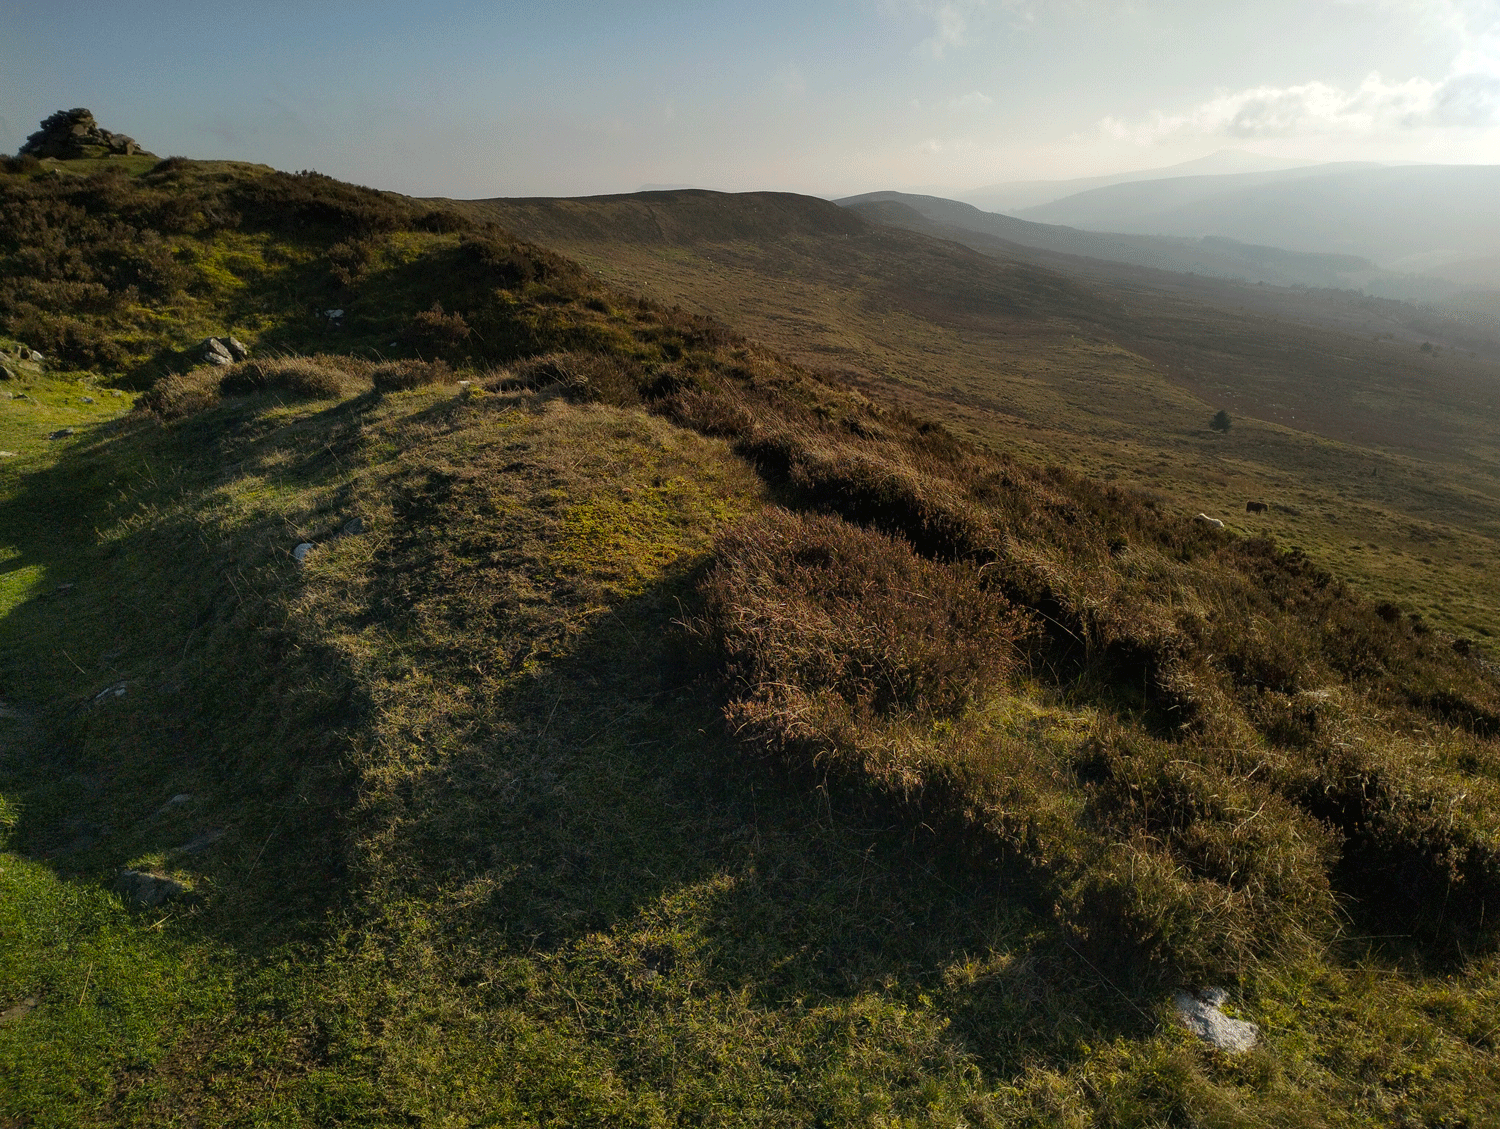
(819, 602)
(175, 395)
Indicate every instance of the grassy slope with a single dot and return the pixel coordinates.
(1386, 453)
(487, 852)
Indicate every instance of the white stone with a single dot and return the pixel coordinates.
(299, 554)
(1201, 1015)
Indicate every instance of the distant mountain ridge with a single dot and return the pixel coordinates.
(1315, 227)
(1215, 256)
(1416, 217)
(1016, 195)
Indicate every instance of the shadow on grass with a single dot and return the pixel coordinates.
(601, 798)
(615, 805)
(172, 724)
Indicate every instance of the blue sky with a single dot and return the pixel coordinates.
(562, 98)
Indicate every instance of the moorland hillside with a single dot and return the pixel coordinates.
(1373, 444)
(506, 697)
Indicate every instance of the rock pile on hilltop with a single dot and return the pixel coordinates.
(68, 134)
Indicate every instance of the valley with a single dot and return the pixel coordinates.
(1388, 454)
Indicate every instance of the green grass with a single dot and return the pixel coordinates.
(472, 843)
(555, 889)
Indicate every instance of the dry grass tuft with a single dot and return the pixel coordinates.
(318, 377)
(401, 376)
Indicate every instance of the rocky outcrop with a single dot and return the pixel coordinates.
(143, 890)
(222, 350)
(68, 134)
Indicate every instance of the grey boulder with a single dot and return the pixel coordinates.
(145, 891)
(1201, 1015)
(223, 350)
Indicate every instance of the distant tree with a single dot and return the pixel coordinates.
(1221, 421)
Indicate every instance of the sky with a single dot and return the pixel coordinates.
(476, 99)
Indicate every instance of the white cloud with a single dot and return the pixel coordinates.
(950, 26)
(974, 100)
(1469, 98)
(952, 21)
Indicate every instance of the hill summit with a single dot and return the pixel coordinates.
(69, 134)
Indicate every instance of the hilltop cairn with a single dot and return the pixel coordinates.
(69, 134)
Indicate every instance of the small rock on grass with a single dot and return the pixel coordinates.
(143, 890)
(1201, 1015)
(61, 434)
(299, 554)
(175, 802)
